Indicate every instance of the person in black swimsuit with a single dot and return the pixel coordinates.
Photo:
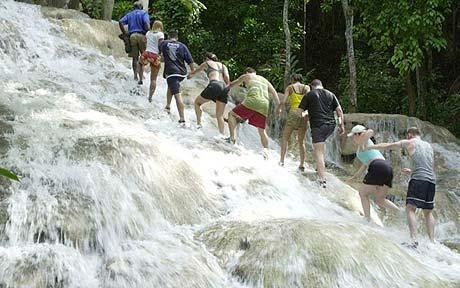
(215, 91)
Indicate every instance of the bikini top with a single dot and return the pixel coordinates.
(295, 99)
(211, 69)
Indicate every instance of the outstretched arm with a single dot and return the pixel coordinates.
(339, 112)
(238, 81)
(226, 75)
(200, 68)
(359, 172)
(393, 145)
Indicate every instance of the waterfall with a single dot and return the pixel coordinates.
(114, 194)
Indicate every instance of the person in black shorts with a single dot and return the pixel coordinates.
(215, 91)
(422, 184)
(321, 104)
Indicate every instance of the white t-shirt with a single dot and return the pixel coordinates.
(152, 41)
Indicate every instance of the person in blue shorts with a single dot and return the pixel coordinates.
(175, 55)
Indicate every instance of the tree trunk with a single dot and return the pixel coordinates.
(74, 4)
(348, 13)
(305, 35)
(287, 32)
(145, 4)
(107, 9)
(410, 94)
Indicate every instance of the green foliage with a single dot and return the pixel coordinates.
(380, 87)
(8, 174)
(92, 7)
(120, 8)
(410, 28)
(180, 15)
(274, 70)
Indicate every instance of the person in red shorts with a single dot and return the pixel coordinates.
(254, 107)
(151, 56)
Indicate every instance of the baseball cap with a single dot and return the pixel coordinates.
(356, 129)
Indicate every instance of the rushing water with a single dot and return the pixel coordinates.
(115, 194)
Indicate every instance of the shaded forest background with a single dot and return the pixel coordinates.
(407, 51)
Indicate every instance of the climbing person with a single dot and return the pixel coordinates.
(254, 107)
(379, 176)
(175, 55)
(422, 184)
(294, 94)
(321, 105)
(215, 91)
(138, 22)
(151, 56)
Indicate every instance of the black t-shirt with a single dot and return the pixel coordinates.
(321, 104)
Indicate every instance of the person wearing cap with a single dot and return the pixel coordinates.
(321, 105)
(138, 22)
(422, 184)
(217, 74)
(379, 176)
(175, 55)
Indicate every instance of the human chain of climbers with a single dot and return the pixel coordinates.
(309, 105)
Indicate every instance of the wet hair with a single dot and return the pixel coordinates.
(157, 26)
(249, 70)
(138, 5)
(211, 56)
(297, 78)
(173, 34)
(414, 131)
(316, 83)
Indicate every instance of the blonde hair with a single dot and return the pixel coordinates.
(157, 26)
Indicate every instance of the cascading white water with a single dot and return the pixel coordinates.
(114, 194)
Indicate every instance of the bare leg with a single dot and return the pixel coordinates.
(319, 159)
(168, 99)
(180, 106)
(263, 137)
(301, 142)
(232, 125)
(380, 199)
(198, 102)
(153, 81)
(220, 108)
(285, 141)
(140, 69)
(364, 192)
(412, 221)
(429, 222)
(134, 65)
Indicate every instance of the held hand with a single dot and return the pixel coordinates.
(341, 129)
(189, 75)
(406, 171)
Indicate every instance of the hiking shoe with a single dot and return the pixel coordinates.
(199, 126)
(281, 164)
(167, 110)
(182, 123)
(150, 99)
(140, 82)
(230, 140)
(322, 183)
(301, 168)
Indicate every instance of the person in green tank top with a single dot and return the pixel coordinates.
(254, 107)
(293, 95)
